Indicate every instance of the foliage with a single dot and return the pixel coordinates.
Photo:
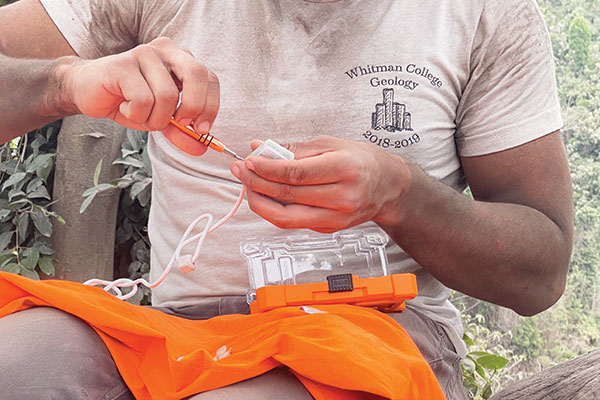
(579, 38)
(485, 358)
(132, 246)
(527, 338)
(26, 179)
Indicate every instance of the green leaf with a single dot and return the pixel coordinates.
(28, 273)
(138, 187)
(28, 160)
(468, 364)
(97, 172)
(136, 139)
(140, 252)
(49, 132)
(130, 161)
(40, 193)
(34, 184)
(6, 258)
(127, 152)
(30, 259)
(480, 371)
(87, 202)
(12, 268)
(42, 223)
(479, 353)
(15, 193)
(22, 225)
(14, 179)
(134, 268)
(4, 213)
(103, 187)
(44, 171)
(487, 391)
(146, 161)
(20, 201)
(46, 266)
(8, 166)
(87, 192)
(492, 361)
(125, 182)
(55, 215)
(5, 239)
(43, 247)
(144, 196)
(39, 162)
(35, 145)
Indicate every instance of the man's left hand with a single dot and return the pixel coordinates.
(332, 184)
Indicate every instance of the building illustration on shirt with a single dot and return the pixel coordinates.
(389, 115)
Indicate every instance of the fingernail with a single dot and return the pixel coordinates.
(235, 170)
(203, 126)
(249, 165)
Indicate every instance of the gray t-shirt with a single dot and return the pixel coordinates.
(430, 80)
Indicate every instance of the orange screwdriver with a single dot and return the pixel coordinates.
(206, 139)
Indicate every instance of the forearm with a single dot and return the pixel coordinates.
(32, 93)
(508, 254)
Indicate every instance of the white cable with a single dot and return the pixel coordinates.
(176, 257)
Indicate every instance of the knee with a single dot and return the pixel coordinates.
(47, 353)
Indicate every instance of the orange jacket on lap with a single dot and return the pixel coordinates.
(346, 352)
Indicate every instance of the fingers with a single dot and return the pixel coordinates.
(325, 168)
(164, 90)
(326, 195)
(152, 80)
(313, 147)
(319, 161)
(200, 95)
(213, 98)
(299, 216)
(254, 144)
(138, 100)
(193, 78)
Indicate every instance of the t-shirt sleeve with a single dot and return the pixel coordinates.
(97, 28)
(511, 96)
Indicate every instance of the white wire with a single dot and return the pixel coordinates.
(183, 242)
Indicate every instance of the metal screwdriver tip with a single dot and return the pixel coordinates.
(232, 153)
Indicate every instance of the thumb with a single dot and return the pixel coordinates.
(255, 143)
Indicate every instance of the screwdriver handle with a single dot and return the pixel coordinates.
(206, 139)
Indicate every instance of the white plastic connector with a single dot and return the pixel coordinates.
(273, 150)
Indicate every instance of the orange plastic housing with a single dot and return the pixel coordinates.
(386, 293)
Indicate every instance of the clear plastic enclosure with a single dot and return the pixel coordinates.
(308, 258)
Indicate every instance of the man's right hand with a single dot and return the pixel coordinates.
(42, 81)
(141, 88)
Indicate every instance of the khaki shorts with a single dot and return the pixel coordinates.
(49, 354)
